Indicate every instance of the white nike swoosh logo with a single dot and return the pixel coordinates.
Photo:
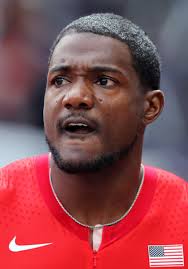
(17, 248)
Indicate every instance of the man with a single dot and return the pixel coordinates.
(91, 203)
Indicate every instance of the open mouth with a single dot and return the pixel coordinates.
(77, 126)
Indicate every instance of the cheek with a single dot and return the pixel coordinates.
(122, 121)
(48, 113)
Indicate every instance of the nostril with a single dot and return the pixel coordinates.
(68, 106)
(83, 105)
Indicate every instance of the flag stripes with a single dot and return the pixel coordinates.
(166, 255)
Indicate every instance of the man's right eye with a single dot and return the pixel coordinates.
(60, 81)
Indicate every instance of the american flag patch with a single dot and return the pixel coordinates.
(166, 256)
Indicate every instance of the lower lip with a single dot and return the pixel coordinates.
(79, 134)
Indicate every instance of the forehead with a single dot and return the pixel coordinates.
(91, 49)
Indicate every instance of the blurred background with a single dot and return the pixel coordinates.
(27, 31)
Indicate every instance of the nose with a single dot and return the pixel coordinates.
(78, 96)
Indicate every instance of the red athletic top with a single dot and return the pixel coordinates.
(36, 233)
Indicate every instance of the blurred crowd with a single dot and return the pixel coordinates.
(27, 30)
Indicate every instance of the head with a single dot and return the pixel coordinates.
(102, 91)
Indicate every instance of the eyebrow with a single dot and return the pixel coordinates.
(66, 68)
(59, 68)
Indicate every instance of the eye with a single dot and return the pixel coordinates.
(60, 81)
(105, 82)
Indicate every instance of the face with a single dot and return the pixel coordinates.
(93, 102)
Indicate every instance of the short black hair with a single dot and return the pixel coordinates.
(146, 61)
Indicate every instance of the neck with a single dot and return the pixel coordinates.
(101, 197)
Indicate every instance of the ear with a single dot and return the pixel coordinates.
(153, 105)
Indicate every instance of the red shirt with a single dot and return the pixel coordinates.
(35, 232)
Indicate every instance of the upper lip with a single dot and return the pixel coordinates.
(79, 120)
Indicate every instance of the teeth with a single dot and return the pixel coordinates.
(78, 124)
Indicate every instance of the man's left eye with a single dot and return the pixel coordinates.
(105, 82)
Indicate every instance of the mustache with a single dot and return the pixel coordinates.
(77, 115)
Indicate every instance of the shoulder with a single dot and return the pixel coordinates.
(166, 176)
(16, 173)
(169, 183)
(23, 165)
(17, 168)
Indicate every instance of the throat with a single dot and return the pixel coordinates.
(106, 207)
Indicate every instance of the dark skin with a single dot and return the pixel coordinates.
(94, 75)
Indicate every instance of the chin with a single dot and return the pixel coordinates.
(76, 167)
(80, 162)
(85, 164)
(73, 163)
